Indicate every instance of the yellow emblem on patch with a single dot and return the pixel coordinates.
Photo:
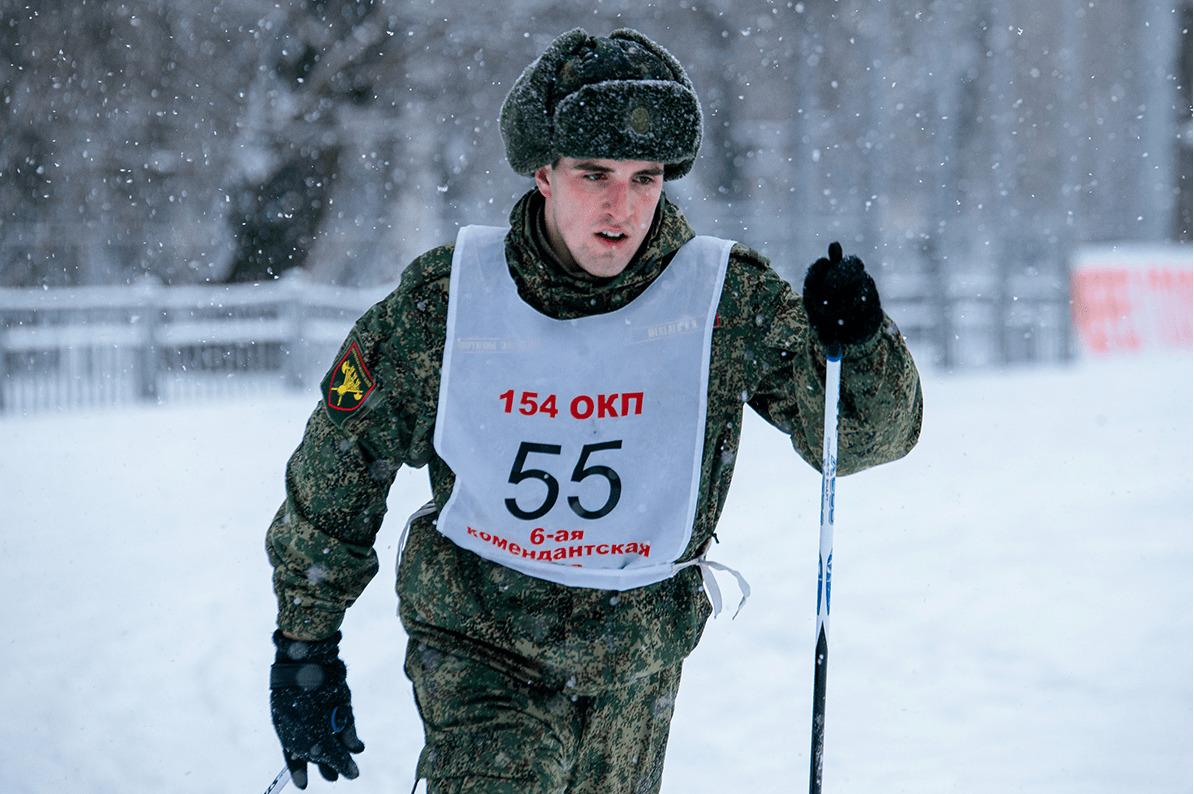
(351, 382)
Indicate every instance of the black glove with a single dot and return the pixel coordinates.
(841, 299)
(312, 708)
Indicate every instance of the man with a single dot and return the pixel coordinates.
(575, 384)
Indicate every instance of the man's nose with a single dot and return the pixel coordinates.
(617, 200)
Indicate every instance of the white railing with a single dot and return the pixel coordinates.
(78, 347)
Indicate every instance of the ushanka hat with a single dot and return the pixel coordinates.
(617, 98)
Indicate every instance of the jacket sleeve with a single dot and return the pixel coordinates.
(320, 542)
(881, 403)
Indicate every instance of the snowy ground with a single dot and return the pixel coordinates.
(1012, 602)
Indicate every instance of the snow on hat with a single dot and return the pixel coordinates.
(618, 98)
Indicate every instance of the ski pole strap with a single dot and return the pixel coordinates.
(710, 581)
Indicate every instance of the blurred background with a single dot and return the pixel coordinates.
(156, 156)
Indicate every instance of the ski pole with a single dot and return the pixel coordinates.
(833, 374)
(279, 782)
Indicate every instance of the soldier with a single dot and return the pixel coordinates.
(575, 384)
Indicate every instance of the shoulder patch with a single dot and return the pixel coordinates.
(350, 382)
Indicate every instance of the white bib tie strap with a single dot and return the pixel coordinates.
(425, 510)
(710, 581)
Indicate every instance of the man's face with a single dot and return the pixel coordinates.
(599, 211)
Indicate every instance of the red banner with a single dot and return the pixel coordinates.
(1141, 302)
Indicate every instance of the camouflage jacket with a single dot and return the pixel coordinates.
(763, 354)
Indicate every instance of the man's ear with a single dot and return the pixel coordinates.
(543, 180)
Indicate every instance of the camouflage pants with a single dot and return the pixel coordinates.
(491, 734)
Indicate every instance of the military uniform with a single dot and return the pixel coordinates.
(470, 619)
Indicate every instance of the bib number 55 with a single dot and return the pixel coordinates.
(582, 471)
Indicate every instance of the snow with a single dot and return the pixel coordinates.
(1012, 602)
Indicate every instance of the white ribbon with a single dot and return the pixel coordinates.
(710, 581)
(425, 510)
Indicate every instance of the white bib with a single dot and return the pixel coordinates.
(576, 444)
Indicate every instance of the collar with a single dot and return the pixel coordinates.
(545, 284)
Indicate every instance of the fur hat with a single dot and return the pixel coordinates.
(618, 98)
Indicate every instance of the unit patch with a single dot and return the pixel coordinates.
(350, 383)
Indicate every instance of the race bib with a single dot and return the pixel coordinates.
(576, 444)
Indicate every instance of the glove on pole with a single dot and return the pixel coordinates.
(841, 300)
(312, 708)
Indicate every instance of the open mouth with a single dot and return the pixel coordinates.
(611, 236)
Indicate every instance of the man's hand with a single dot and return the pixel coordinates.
(312, 708)
(841, 300)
